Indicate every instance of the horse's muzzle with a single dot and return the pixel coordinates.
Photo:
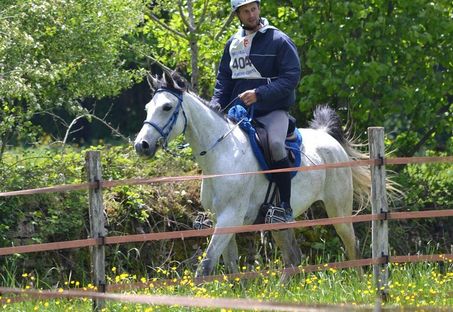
(143, 148)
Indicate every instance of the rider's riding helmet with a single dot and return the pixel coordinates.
(235, 4)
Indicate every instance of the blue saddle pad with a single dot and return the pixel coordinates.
(238, 112)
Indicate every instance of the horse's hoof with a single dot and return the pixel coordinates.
(204, 268)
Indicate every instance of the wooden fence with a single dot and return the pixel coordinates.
(99, 240)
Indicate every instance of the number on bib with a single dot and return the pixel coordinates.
(241, 62)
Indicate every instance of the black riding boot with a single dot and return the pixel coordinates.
(283, 181)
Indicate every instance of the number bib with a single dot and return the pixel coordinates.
(240, 64)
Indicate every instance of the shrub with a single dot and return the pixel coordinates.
(426, 187)
(63, 216)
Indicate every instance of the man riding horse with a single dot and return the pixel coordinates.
(261, 68)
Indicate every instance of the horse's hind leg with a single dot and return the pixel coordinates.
(292, 255)
(351, 244)
(347, 235)
(344, 230)
(230, 256)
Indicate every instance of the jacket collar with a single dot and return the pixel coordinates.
(264, 27)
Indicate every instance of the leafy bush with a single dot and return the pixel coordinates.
(426, 187)
(63, 216)
(172, 206)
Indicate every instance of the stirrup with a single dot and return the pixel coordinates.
(275, 214)
(202, 221)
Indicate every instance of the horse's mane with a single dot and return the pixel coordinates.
(206, 103)
(175, 82)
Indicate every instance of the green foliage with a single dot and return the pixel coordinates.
(60, 210)
(384, 63)
(431, 186)
(171, 45)
(418, 286)
(63, 216)
(43, 217)
(379, 63)
(57, 52)
(425, 187)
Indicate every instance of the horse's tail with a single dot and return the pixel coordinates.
(326, 119)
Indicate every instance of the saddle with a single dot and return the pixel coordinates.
(259, 139)
(291, 137)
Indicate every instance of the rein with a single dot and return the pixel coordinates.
(166, 129)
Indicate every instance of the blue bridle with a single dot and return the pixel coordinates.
(166, 129)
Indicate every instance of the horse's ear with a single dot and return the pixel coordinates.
(175, 81)
(179, 82)
(168, 80)
(153, 81)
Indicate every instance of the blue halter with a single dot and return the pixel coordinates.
(166, 129)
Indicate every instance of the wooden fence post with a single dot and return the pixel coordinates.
(97, 224)
(379, 206)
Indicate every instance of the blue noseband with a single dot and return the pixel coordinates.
(166, 129)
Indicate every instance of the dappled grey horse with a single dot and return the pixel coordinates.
(236, 199)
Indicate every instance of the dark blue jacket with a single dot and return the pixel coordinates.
(274, 55)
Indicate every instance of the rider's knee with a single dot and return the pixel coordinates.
(278, 150)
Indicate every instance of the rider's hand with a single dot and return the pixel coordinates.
(248, 97)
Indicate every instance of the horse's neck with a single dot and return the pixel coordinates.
(204, 126)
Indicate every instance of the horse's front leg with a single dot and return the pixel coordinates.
(292, 255)
(219, 243)
(216, 246)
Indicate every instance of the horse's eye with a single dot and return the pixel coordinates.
(167, 107)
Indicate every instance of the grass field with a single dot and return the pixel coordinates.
(419, 286)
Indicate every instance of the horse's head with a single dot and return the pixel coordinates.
(165, 116)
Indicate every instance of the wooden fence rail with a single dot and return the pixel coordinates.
(379, 217)
(187, 234)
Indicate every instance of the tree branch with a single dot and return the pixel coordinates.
(203, 15)
(183, 17)
(155, 19)
(167, 69)
(89, 115)
(192, 24)
(114, 131)
(55, 116)
(6, 137)
(225, 25)
(430, 131)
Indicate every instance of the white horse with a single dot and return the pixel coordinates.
(235, 200)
